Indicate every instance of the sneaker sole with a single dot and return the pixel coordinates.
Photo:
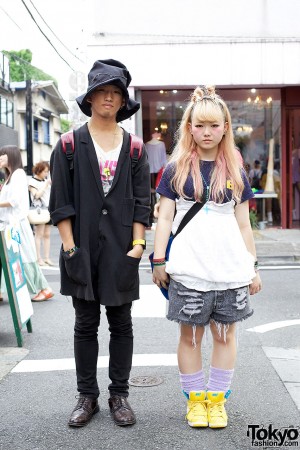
(197, 425)
(217, 426)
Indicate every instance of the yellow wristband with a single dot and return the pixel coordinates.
(139, 242)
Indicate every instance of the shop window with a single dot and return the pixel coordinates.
(256, 121)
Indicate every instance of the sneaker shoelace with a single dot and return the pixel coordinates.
(216, 409)
(198, 408)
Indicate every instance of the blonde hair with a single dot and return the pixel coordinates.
(207, 106)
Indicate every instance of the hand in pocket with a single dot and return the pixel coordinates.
(76, 266)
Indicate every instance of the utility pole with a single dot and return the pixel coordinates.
(29, 127)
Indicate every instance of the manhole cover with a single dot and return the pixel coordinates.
(145, 381)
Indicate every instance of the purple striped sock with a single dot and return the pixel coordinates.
(219, 379)
(192, 382)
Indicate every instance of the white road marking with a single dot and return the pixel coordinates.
(279, 267)
(146, 266)
(50, 365)
(151, 304)
(274, 326)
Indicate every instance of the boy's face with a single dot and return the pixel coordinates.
(106, 101)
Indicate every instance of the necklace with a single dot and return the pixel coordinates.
(116, 132)
(206, 192)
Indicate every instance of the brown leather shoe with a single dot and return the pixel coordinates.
(83, 411)
(121, 411)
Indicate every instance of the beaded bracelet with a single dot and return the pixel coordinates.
(163, 263)
(256, 266)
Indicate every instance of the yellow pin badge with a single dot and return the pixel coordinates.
(106, 172)
(229, 184)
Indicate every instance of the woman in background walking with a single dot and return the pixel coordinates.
(14, 206)
(39, 188)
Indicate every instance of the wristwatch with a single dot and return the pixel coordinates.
(141, 242)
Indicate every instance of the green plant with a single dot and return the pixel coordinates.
(253, 219)
(65, 125)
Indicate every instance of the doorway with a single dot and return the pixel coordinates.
(293, 167)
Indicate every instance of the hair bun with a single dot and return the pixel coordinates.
(202, 92)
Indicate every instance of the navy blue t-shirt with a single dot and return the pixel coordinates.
(165, 187)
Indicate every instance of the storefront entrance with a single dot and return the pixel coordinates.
(256, 120)
(293, 167)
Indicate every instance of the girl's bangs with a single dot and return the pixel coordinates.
(207, 111)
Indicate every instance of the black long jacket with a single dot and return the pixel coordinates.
(102, 226)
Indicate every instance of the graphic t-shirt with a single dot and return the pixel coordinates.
(107, 165)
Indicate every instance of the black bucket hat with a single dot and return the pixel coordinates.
(109, 71)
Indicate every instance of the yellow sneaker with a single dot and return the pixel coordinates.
(217, 417)
(197, 409)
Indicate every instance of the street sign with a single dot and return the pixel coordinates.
(18, 295)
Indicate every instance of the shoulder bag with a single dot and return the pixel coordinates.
(187, 217)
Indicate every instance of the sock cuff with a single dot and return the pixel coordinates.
(223, 371)
(191, 376)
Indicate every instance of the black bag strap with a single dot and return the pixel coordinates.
(188, 216)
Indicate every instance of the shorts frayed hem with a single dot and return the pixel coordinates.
(223, 322)
(185, 322)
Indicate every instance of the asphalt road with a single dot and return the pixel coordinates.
(36, 399)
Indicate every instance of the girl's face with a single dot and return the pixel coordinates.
(3, 162)
(44, 174)
(208, 135)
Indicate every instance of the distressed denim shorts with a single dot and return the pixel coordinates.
(192, 307)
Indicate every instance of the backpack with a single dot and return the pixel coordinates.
(68, 147)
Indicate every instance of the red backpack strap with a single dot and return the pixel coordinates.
(68, 147)
(67, 141)
(136, 147)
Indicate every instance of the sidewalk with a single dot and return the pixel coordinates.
(274, 246)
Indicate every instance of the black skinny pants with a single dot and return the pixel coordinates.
(87, 321)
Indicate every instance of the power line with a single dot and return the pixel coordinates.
(10, 18)
(54, 33)
(29, 12)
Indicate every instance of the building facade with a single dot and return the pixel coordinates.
(47, 104)
(249, 50)
(8, 135)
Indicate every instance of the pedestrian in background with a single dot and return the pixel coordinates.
(14, 207)
(255, 175)
(212, 266)
(157, 157)
(2, 181)
(101, 209)
(39, 188)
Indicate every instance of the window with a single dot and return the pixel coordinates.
(6, 112)
(3, 110)
(35, 130)
(10, 116)
(46, 132)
